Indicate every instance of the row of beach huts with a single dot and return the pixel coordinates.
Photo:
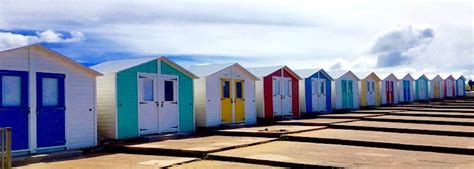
(53, 103)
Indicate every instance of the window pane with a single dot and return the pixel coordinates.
(11, 91)
(276, 87)
(169, 91)
(368, 86)
(289, 88)
(50, 92)
(322, 88)
(226, 88)
(148, 91)
(344, 87)
(238, 88)
(349, 86)
(286, 88)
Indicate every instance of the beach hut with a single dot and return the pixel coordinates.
(224, 95)
(460, 86)
(449, 86)
(389, 89)
(47, 99)
(277, 92)
(436, 86)
(314, 90)
(144, 96)
(421, 88)
(406, 88)
(369, 87)
(345, 93)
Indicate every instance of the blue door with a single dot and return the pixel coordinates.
(14, 106)
(50, 110)
(406, 90)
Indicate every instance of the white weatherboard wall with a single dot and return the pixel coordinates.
(207, 97)
(107, 106)
(259, 98)
(302, 89)
(81, 129)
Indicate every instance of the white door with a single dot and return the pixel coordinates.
(277, 96)
(370, 96)
(148, 104)
(322, 94)
(168, 113)
(314, 95)
(286, 99)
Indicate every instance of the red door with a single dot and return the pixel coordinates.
(389, 90)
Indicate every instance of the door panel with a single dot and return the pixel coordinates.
(239, 101)
(314, 95)
(287, 97)
(168, 111)
(277, 96)
(14, 106)
(344, 94)
(436, 89)
(322, 94)
(50, 110)
(226, 101)
(148, 104)
(350, 94)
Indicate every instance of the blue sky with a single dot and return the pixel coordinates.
(423, 36)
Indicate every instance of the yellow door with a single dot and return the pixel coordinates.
(226, 101)
(239, 101)
(436, 89)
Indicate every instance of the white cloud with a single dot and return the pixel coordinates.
(11, 40)
(397, 46)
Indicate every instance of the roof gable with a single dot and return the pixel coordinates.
(265, 71)
(208, 70)
(305, 73)
(59, 57)
(450, 77)
(408, 77)
(462, 77)
(367, 75)
(120, 65)
(423, 76)
(391, 76)
(124, 64)
(341, 73)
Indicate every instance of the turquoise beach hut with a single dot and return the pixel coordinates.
(144, 96)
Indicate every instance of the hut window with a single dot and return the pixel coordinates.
(286, 88)
(50, 91)
(148, 93)
(238, 88)
(226, 89)
(169, 91)
(276, 87)
(11, 91)
(322, 88)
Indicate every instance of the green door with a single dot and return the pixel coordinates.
(350, 93)
(344, 93)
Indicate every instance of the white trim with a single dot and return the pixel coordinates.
(32, 103)
(116, 106)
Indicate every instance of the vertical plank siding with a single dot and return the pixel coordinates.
(127, 99)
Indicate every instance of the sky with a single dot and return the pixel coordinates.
(385, 35)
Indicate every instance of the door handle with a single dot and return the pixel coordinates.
(162, 104)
